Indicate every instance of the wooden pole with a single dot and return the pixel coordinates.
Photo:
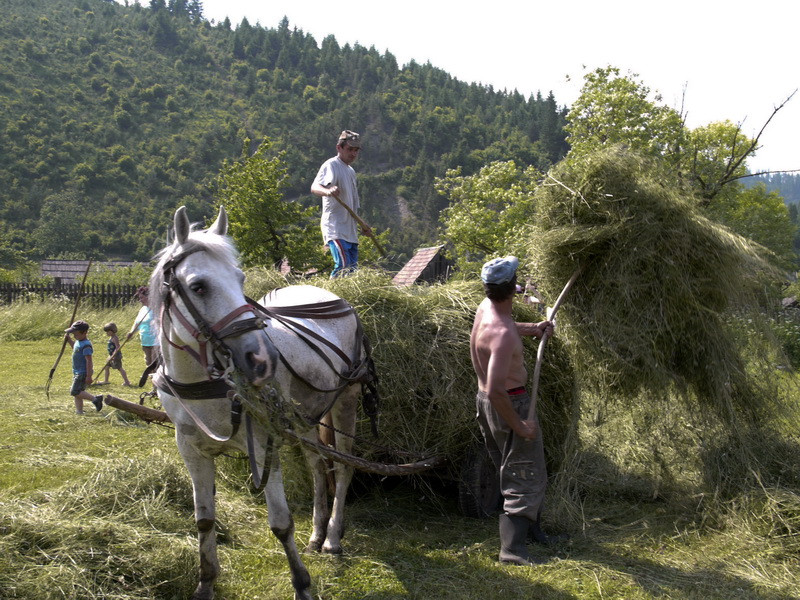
(364, 226)
(145, 412)
(71, 321)
(551, 314)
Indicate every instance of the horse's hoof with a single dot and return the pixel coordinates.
(203, 592)
(314, 546)
(326, 549)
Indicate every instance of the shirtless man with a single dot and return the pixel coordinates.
(513, 442)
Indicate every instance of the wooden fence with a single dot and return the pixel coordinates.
(99, 295)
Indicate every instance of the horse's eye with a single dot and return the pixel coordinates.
(198, 287)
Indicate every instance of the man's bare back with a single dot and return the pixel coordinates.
(494, 334)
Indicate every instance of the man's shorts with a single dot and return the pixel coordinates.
(78, 384)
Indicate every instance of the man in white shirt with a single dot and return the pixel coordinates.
(336, 184)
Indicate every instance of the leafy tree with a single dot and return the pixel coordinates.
(62, 228)
(266, 227)
(715, 156)
(613, 109)
(759, 215)
(488, 212)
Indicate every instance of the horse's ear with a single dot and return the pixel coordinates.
(182, 226)
(220, 226)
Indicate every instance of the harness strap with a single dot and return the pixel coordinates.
(323, 310)
(164, 383)
(199, 390)
(200, 356)
(319, 310)
(310, 311)
(220, 325)
(149, 369)
(259, 478)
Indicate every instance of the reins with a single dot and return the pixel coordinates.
(219, 383)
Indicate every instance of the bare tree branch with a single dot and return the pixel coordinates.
(728, 176)
(746, 175)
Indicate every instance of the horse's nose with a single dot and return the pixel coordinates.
(257, 364)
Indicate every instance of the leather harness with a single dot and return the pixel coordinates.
(220, 384)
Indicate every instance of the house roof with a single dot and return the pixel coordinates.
(73, 270)
(413, 269)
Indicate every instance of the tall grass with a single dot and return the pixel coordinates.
(35, 319)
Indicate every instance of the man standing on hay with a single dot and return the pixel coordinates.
(514, 443)
(336, 184)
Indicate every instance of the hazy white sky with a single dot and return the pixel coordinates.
(734, 59)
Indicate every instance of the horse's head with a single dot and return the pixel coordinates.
(201, 308)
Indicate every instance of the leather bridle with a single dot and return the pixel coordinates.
(220, 383)
(203, 332)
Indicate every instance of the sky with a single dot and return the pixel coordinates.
(716, 60)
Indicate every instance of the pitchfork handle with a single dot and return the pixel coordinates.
(551, 314)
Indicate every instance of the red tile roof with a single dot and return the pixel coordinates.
(413, 269)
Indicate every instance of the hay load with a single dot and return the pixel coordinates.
(647, 313)
(420, 342)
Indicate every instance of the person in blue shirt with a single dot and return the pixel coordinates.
(82, 367)
(148, 336)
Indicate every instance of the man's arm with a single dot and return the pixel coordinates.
(319, 190)
(69, 340)
(535, 329)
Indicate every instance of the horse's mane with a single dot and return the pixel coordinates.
(218, 246)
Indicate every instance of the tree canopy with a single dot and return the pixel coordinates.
(267, 228)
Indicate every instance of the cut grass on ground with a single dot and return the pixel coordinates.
(99, 507)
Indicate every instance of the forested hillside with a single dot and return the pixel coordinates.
(111, 116)
(786, 184)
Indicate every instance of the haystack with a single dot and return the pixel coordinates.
(658, 279)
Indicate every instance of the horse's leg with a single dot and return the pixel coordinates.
(282, 525)
(319, 471)
(344, 420)
(201, 470)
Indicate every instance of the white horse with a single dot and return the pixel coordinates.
(304, 356)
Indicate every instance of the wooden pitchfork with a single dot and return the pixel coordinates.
(71, 321)
(364, 226)
(551, 314)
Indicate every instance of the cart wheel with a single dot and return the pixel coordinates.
(479, 488)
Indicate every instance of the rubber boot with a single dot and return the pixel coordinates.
(513, 531)
(537, 536)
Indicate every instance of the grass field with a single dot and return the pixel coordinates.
(99, 507)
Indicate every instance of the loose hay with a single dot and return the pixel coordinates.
(127, 528)
(647, 312)
(650, 320)
(420, 342)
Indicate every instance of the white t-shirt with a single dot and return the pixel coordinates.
(336, 222)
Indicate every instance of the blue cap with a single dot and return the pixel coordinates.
(499, 270)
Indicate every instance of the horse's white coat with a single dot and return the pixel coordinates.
(214, 281)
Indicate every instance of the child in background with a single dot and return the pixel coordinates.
(116, 360)
(143, 321)
(82, 367)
